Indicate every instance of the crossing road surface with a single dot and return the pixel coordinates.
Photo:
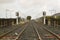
(33, 31)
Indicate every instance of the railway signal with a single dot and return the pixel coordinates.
(44, 15)
(17, 14)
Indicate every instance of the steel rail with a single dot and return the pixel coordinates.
(54, 34)
(38, 33)
(1, 36)
(21, 32)
(7, 33)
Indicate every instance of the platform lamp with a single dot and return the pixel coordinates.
(17, 14)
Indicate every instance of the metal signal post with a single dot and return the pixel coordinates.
(17, 14)
(44, 15)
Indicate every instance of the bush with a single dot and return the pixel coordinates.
(28, 17)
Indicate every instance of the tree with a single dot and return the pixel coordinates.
(28, 17)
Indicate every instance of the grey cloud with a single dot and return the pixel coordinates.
(32, 7)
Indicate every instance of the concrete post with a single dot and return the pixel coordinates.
(17, 20)
(48, 22)
(44, 20)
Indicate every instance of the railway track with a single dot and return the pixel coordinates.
(55, 29)
(33, 31)
(12, 34)
(29, 33)
(45, 33)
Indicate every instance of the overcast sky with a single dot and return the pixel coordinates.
(28, 7)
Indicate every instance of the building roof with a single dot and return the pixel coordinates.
(7, 18)
(57, 14)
